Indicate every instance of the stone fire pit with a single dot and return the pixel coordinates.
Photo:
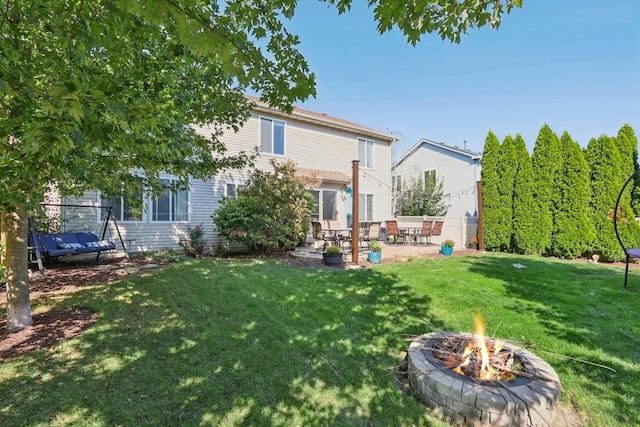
(524, 401)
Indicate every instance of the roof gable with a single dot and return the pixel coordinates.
(456, 150)
(322, 120)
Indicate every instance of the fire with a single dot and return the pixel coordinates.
(475, 358)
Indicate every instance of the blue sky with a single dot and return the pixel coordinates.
(572, 64)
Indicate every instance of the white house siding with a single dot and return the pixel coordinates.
(459, 168)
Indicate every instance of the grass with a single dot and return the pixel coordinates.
(237, 342)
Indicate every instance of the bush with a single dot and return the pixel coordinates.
(271, 213)
(448, 243)
(194, 243)
(333, 249)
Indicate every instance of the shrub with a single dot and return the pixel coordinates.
(448, 243)
(194, 243)
(270, 214)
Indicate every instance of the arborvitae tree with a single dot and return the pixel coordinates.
(573, 231)
(507, 174)
(545, 160)
(628, 145)
(605, 166)
(525, 208)
(491, 203)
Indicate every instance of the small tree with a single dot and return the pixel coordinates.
(418, 198)
(271, 214)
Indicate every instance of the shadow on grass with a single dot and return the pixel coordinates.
(586, 310)
(224, 342)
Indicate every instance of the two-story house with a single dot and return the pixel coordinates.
(323, 148)
(459, 169)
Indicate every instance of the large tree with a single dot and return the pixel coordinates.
(92, 89)
(507, 178)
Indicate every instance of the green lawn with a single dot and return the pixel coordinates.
(237, 342)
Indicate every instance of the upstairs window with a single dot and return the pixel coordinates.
(172, 204)
(365, 152)
(272, 136)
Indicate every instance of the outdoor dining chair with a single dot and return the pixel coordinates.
(425, 231)
(393, 231)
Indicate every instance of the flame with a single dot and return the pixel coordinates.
(478, 347)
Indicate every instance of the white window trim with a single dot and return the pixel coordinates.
(150, 203)
(284, 136)
(363, 162)
(99, 218)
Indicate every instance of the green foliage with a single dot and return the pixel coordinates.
(195, 243)
(418, 198)
(628, 146)
(606, 181)
(271, 214)
(375, 246)
(491, 201)
(507, 168)
(448, 19)
(545, 161)
(573, 232)
(448, 243)
(332, 249)
(525, 208)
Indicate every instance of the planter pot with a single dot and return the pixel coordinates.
(446, 250)
(374, 257)
(332, 259)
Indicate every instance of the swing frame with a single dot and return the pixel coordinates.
(105, 225)
(628, 252)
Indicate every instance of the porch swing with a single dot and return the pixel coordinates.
(53, 245)
(629, 252)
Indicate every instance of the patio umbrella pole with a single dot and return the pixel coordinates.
(355, 221)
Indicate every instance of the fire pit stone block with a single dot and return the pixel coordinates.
(465, 402)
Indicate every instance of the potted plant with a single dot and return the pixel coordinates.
(374, 255)
(332, 256)
(447, 247)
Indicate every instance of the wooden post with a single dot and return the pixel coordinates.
(480, 223)
(355, 217)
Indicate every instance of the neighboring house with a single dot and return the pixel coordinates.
(458, 167)
(323, 148)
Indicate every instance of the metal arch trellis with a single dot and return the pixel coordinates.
(103, 230)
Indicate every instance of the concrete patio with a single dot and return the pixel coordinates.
(390, 252)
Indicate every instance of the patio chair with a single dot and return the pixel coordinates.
(437, 229)
(425, 231)
(318, 234)
(371, 232)
(393, 231)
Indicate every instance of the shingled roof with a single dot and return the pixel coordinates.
(322, 119)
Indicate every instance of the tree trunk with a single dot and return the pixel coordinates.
(14, 233)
